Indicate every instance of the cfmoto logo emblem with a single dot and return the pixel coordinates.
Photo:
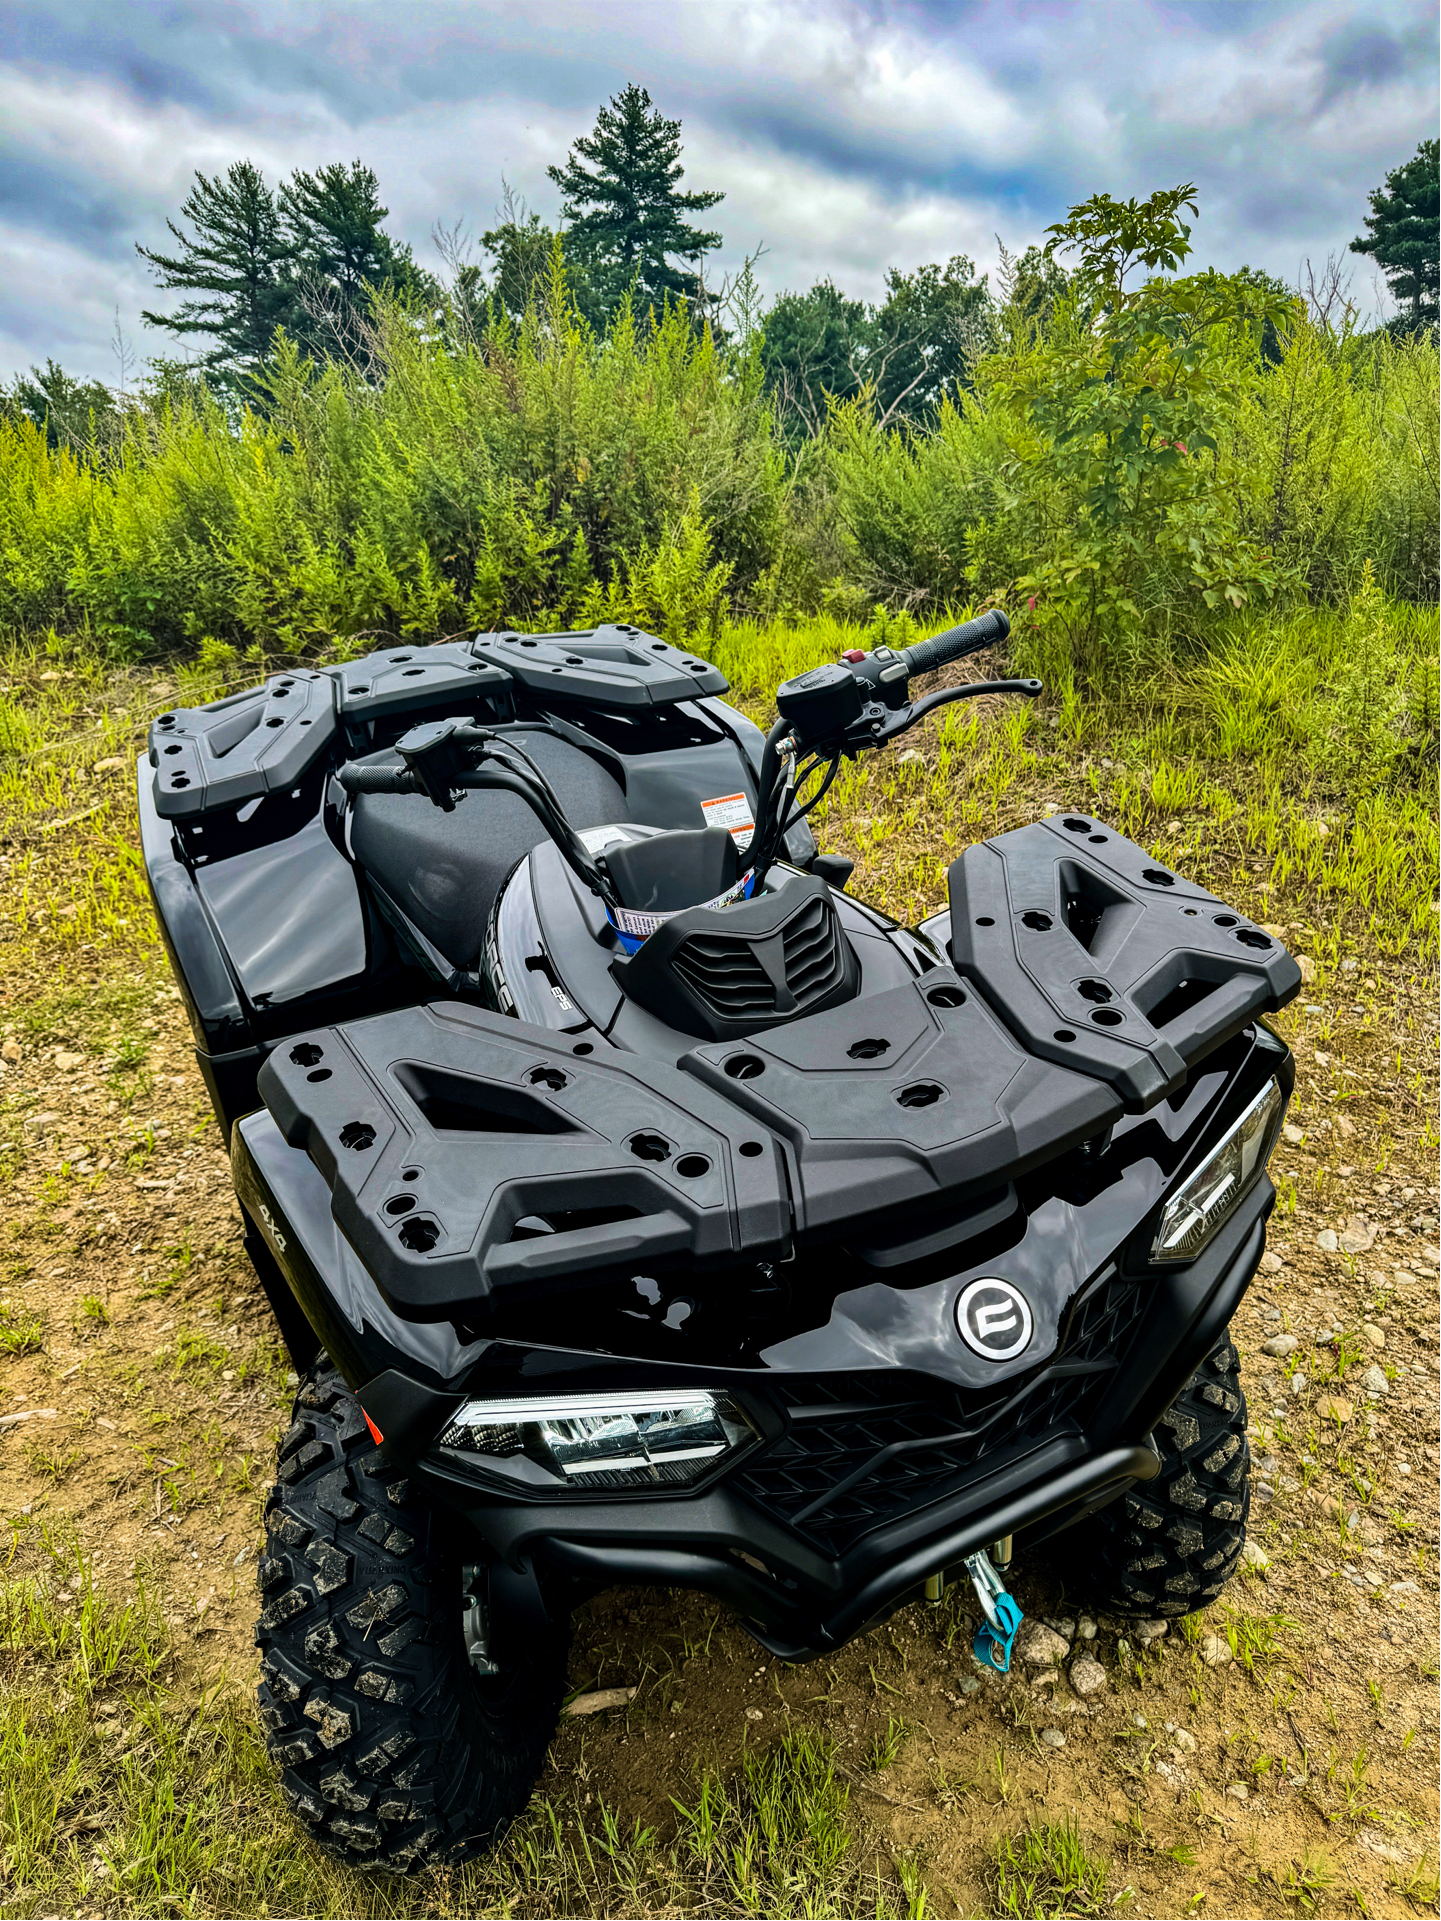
(994, 1318)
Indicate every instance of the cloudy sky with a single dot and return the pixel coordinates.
(847, 135)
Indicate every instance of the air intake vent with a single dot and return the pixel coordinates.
(812, 952)
(723, 972)
(726, 975)
(788, 972)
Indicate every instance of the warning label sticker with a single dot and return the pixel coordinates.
(731, 811)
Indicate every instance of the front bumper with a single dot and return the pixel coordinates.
(804, 1591)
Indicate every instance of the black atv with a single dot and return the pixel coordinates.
(639, 1206)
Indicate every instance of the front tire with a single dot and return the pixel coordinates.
(393, 1751)
(1170, 1545)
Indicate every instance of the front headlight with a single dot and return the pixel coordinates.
(599, 1440)
(1197, 1208)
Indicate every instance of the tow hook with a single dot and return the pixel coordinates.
(997, 1632)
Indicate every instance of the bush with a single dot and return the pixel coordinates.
(1132, 464)
(534, 476)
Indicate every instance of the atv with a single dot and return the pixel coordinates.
(639, 1206)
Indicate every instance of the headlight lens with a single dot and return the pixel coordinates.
(1197, 1209)
(599, 1440)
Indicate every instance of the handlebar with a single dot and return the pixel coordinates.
(356, 779)
(955, 642)
(828, 714)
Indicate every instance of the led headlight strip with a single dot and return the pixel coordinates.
(600, 1440)
(1210, 1196)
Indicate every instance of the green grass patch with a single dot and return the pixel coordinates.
(129, 1791)
(1047, 1870)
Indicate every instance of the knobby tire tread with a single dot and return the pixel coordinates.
(391, 1751)
(1169, 1546)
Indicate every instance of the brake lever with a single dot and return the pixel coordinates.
(879, 724)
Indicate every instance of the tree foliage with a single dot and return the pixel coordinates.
(1402, 233)
(1118, 410)
(75, 414)
(907, 353)
(623, 200)
(237, 258)
(306, 259)
(339, 254)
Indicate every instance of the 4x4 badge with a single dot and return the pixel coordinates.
(994, 1318)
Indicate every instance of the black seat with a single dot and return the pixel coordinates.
(444, 870)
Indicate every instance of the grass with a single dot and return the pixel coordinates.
(1294, 802)
(21, 1330)
(124, 1792)
(1046, 1870)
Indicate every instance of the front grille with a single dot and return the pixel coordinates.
(726, 975)
(858, 1456)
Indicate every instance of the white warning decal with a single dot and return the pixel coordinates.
(732, 811)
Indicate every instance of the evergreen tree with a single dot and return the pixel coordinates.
(1402, 233)
(625, 209)
(238, 258)
(339, 251)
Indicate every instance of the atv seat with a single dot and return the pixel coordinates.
(444, 870)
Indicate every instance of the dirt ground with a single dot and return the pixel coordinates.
(1292, 1772)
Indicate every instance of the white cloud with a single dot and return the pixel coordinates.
(848, 137)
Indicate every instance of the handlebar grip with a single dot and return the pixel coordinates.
(356, 779)
(968, 638)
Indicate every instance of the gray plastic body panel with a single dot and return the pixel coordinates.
(440, 1128)
(949, 1106)
(609, 666)
(401, 679)
(1100, 959)
(254, 743)
(289, 913)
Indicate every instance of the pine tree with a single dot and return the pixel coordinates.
(1402, 233)
(340, 251)
(238, 257)
(625, 209)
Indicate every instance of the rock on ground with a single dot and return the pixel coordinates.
(1039, 1646)
(1087, 1675)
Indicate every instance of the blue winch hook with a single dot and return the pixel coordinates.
(997, 1632)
